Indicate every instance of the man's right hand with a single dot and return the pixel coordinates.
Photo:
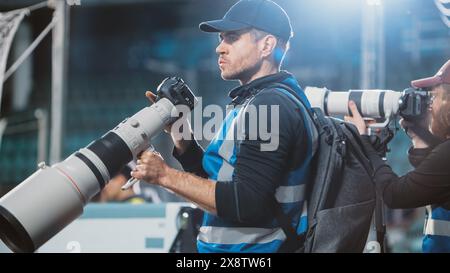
(416, 140)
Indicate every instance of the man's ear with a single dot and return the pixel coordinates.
(269, 45)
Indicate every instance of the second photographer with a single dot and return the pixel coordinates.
(429, 183)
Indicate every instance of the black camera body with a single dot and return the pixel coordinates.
(414, 104)
(414, 107)
(176, 90)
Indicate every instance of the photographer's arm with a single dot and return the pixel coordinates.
(152, 168)
(428, 184)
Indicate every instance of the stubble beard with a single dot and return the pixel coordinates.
(241, 74)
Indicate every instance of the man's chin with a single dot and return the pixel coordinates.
(228, 77)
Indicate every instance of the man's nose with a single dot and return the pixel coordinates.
(221, 48)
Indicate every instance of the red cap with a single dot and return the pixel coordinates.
(443, 76)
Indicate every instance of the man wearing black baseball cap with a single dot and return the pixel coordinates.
(252, 188)
(263, 15)
(264, 29)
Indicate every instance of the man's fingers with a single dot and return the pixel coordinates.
(137, 174)
(354, 109)
(151, 97)
(156, 153)
(139, 155)
(146, 159)
(147, 155)
(405, 124)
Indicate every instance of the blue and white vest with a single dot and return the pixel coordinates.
(219, 159)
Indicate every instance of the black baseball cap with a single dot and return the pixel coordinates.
(264, 15)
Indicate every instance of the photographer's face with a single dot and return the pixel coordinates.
(439, 112)
(436, 99)
(239, 55)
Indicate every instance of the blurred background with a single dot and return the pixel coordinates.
(115, 50)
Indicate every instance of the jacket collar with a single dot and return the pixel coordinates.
(240, 93)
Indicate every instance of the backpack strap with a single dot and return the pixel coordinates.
(294, 96)
(293, 241)
(315, 114)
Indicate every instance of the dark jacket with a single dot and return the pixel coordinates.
(428, 183)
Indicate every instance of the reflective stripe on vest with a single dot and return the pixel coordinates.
(239, 235)
(436, 227)
(290, 194)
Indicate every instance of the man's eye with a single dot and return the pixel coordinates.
(233, 38)
(230, 38)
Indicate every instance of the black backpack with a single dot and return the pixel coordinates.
(341, 199)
